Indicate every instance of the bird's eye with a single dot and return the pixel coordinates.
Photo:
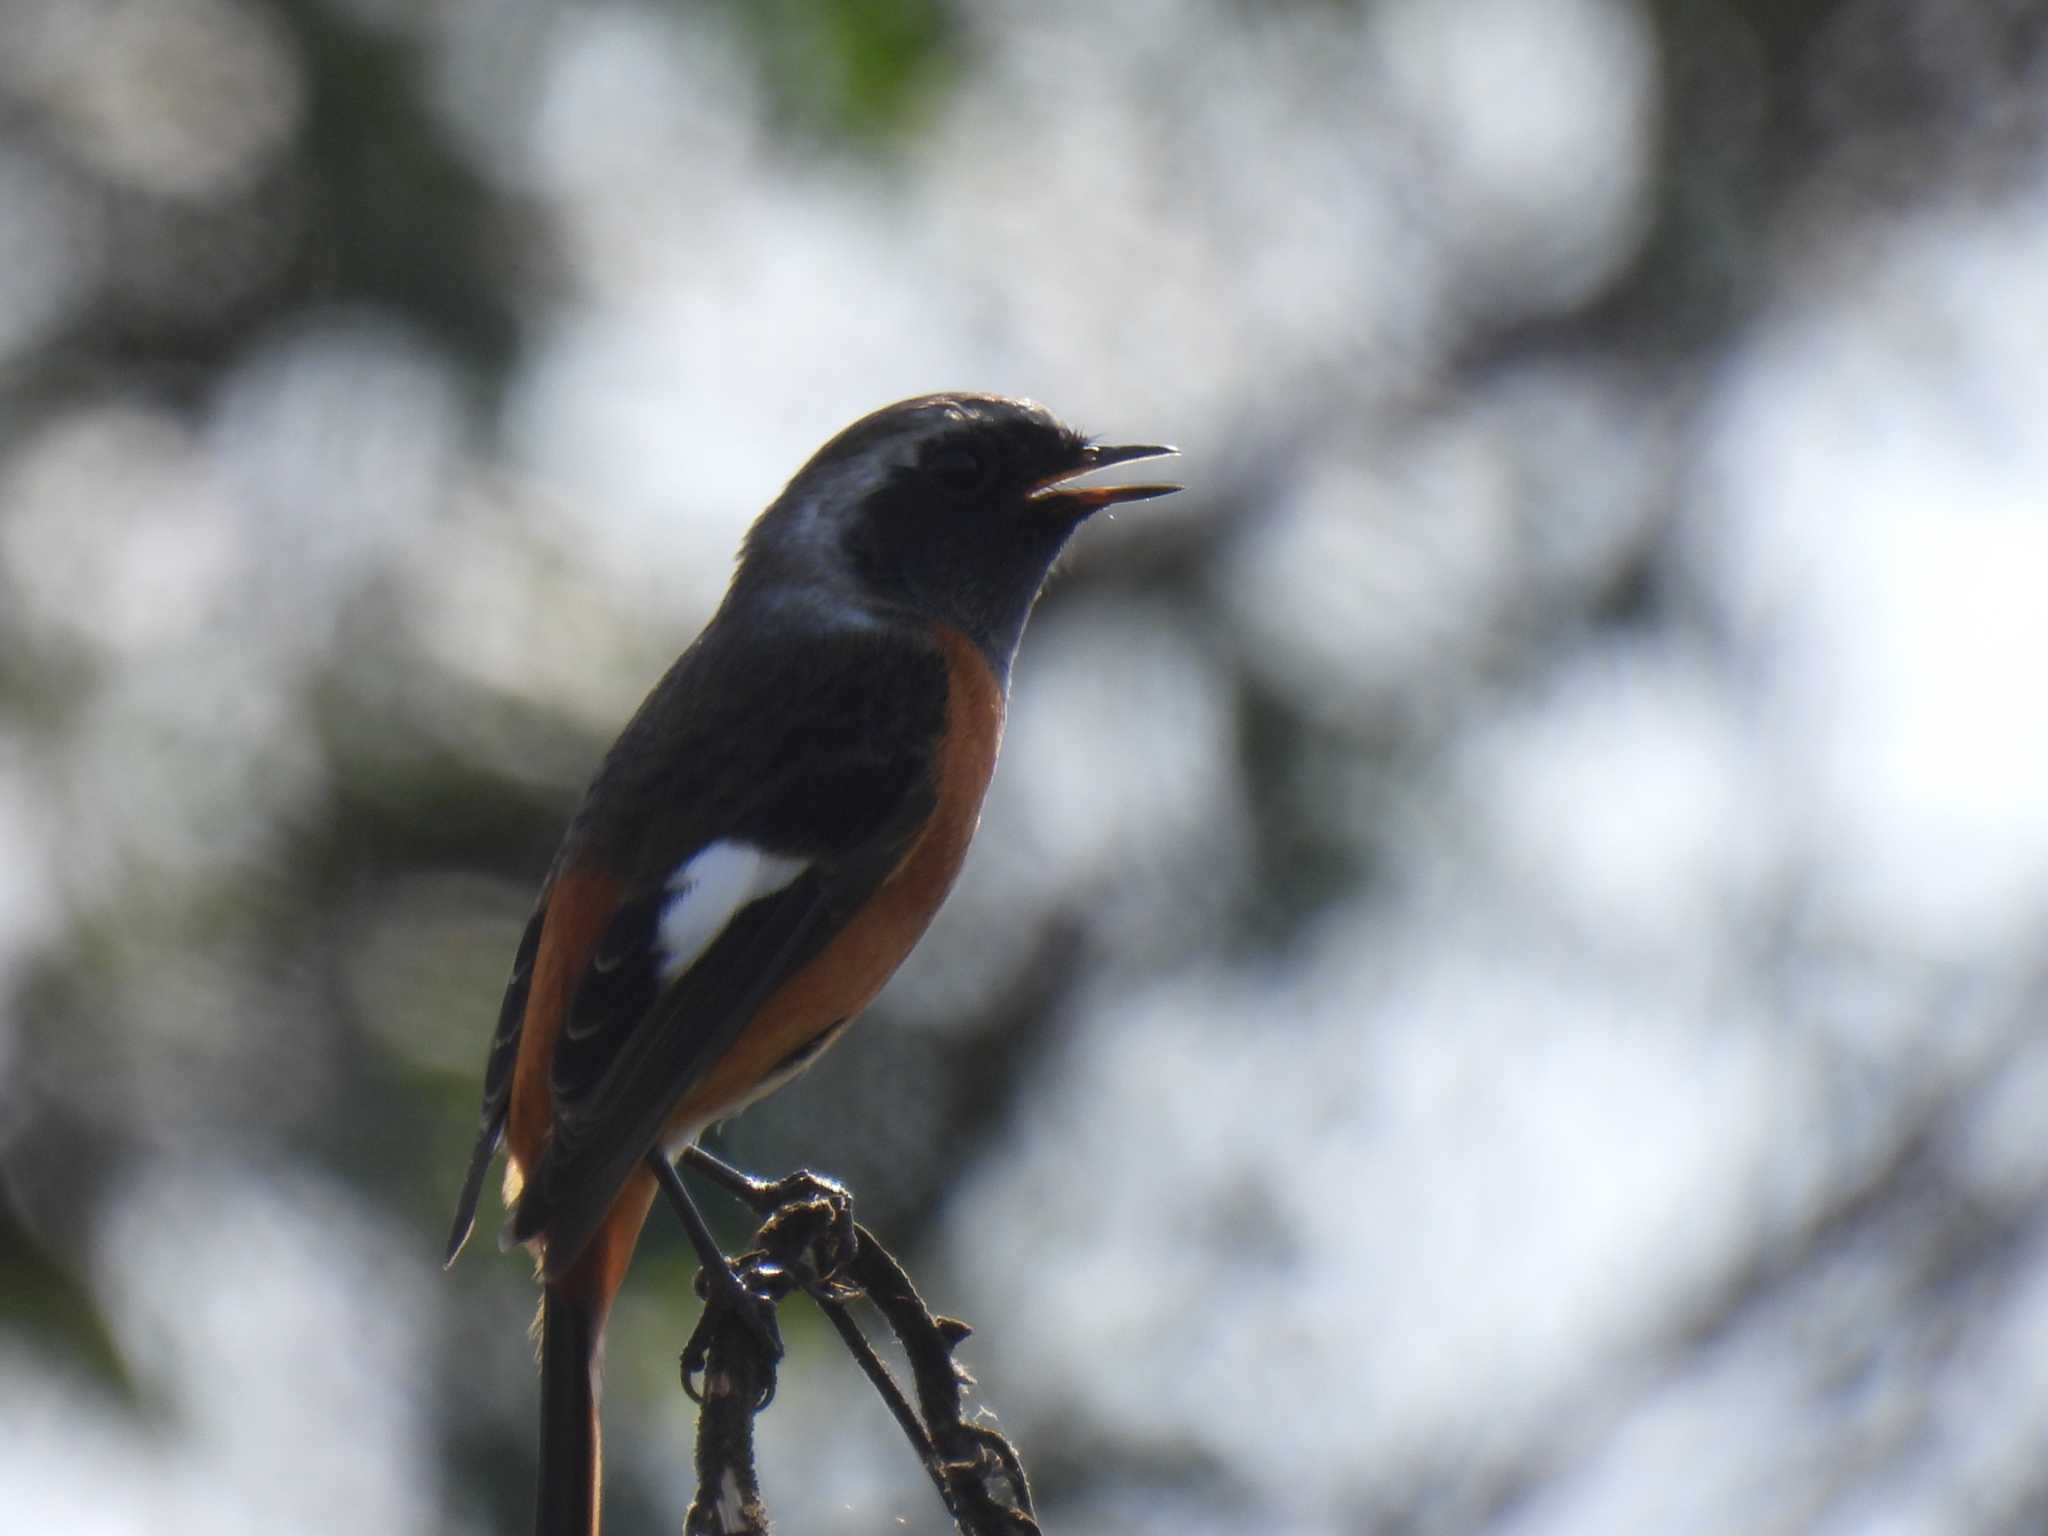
(953, 465)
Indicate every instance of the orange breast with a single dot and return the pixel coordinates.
(855, 965)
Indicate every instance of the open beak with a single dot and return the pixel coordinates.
(1093, 498)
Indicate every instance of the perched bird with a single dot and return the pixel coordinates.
(765, 842)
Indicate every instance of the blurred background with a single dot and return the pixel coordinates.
(1500, 987)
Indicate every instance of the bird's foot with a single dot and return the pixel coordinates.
(740, 1300)
(810, 1229)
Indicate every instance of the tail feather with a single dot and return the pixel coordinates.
(570, 1340)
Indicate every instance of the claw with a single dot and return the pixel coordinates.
(731, 1300)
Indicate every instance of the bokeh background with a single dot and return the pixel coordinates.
(1501, 986)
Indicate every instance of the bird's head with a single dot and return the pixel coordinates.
(953, 506)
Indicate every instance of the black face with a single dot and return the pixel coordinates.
(952, 506)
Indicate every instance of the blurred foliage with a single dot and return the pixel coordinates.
(394, 217)
(51, 1308)
(866, 73)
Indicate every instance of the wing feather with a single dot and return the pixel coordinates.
(498, 1079)
(838, 790)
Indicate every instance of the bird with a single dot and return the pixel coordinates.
(767, 839)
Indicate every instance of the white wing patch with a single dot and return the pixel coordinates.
(708, 891)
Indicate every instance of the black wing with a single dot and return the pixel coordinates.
(824, 752)
(605, 1125)
(498, 1080)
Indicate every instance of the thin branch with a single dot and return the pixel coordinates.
(809, 1241)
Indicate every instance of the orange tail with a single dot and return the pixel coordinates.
(571, 1363)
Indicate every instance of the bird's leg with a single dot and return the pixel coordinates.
(723, 1285)
(766, 1196)
(757, 1194)
(807, 1218)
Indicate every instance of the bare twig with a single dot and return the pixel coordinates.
(809, 1241)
